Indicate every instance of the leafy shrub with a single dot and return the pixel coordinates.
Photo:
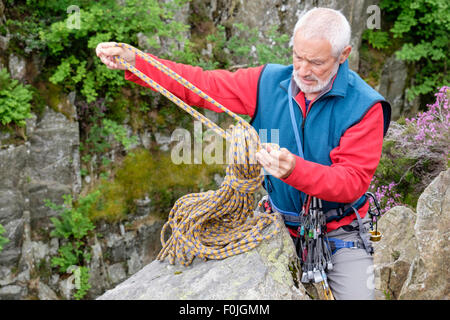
(73, 225)
(44, 26)
(106, 20)
(422, 28)
(14, 100)
(376, 38)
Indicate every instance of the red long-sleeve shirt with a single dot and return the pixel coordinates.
(354, 161)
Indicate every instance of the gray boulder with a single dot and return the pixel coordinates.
(428, 277)
(393, 83)
(395, 252)
(412, 259)
(267, 272)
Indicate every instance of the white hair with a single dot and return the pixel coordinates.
(324, 23)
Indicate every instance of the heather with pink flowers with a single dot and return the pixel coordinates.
(413, 155)
(433, 126)
(386, 195)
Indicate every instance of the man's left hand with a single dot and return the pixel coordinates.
(279, 163)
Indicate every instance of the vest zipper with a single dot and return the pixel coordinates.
(303, 125)
(309, 108)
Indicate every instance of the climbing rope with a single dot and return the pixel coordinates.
(213, 224)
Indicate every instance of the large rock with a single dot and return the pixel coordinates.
(53, 163)
(45, 166)
(266, 272)
(17, 67)
(411, 260)
(428, 277)
(392, 84)
(395, 252)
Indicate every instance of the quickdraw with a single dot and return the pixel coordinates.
(213, 224)
(314, 250)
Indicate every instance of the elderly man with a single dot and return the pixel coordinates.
(331, 127)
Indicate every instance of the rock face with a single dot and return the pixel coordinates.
(47, 166)
(267, 272)
(412, 259)
(284, 14)
(43, 167)
(393, 83)
(395, 252)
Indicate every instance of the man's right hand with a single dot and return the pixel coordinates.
(107, 50)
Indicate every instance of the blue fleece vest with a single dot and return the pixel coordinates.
(343, 106)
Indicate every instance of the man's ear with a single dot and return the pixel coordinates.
(345, 53)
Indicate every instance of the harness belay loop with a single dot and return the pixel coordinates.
(214, 224)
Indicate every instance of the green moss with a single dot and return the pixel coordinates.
(294, 268)
(144, 174)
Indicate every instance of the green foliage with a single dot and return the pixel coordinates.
(97, 142)
(14, 100)
(68, 256)
(71, 59)
(73, 225)
(119, 133)
(376, 38)
(422, 26)
(72, 222)
(81, 282)
(98, 135)
(394, 166)
(248, 46)
(3, 240)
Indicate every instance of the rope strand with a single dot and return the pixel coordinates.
(213, 224)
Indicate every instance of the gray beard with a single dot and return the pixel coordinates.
(320, 84)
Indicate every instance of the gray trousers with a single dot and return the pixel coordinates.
(352, 277)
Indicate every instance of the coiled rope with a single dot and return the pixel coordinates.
(213, 224)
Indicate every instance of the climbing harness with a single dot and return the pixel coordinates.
(213, 224)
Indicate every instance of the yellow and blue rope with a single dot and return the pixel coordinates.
(213, 224)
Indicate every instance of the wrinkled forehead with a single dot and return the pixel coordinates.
(312, 47)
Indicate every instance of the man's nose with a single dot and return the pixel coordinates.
(303, 68)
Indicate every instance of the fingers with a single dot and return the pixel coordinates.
(278, 163)
(109, 62)
(99, 50)
(106, 51)
(109, 52)
(268, 160)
